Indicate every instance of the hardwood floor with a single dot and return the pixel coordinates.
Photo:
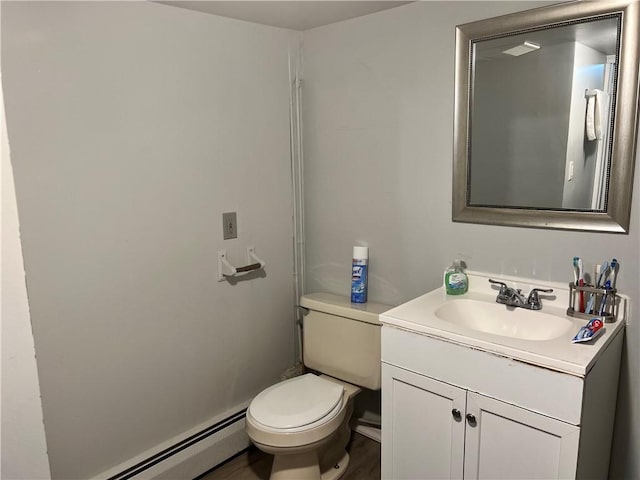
(256, 465)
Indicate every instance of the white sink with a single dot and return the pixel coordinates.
(475, 320)
(498, 319)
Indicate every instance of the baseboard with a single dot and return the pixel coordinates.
(371, 432)
(189, 454)
(205, 456)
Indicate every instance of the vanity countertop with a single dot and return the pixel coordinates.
(418, 316)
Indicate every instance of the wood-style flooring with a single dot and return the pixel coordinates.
(256, 465)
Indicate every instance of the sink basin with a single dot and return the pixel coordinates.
(501, 320)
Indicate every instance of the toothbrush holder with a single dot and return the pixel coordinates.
(605, 302)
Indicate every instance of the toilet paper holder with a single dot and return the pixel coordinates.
(225, 269)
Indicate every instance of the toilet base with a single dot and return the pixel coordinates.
(305, 466)
(325, 458)
(338, 470)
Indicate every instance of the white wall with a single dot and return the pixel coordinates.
(24, 449)
(133, 126)
(378, 98)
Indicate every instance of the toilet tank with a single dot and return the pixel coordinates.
(342, 339)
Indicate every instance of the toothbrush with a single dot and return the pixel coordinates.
(576, 275)
(614, 272)
(592, 297)
(576, 271)
(579, 280)
(607, 285)
(581, 283)
(592, 300)
(603, 273)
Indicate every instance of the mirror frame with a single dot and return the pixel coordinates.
(625, 118)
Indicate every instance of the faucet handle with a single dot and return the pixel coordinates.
(503, 286)
(534, 299)
(505, 292)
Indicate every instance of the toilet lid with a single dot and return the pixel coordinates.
(296, 402)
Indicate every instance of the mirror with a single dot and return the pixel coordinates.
(546, 115)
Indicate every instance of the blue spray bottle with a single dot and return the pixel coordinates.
(359, 274)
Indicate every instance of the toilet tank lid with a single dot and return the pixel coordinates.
(341, 306)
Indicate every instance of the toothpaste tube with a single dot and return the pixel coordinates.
(590, 331)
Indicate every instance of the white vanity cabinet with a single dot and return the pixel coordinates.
(440, 431)
(451, 411)
(420, 438)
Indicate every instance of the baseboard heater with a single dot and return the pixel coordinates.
(179, 446)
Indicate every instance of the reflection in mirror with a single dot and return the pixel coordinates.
(546, 117)
(540, 124)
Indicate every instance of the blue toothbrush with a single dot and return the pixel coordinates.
(604, 268)
(607, 285)
(576, 270)
(614, 272)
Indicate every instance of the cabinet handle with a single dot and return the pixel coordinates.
(471, 419)
(456, 414)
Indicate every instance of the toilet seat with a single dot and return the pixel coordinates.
(297, 404)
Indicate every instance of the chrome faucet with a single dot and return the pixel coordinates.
(514, 298)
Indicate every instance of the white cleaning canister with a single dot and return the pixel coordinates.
(359, 274)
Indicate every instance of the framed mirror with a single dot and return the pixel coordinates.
(546, 117)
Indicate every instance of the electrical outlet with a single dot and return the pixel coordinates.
(229, 225)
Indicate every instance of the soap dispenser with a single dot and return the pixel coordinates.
(456, 281)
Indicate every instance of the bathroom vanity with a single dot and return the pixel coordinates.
(473, 389)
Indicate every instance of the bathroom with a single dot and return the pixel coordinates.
(142, 124)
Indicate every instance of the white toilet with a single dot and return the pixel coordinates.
(304, 421)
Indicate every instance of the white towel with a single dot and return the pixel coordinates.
(597, 105)
(602, 106)
(590, 120)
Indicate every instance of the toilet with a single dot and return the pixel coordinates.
(304, 421)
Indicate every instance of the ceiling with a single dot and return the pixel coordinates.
(295, 15)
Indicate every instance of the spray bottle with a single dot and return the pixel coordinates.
(359, 274)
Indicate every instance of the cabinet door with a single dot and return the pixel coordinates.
(509, 442)
(421, 436)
